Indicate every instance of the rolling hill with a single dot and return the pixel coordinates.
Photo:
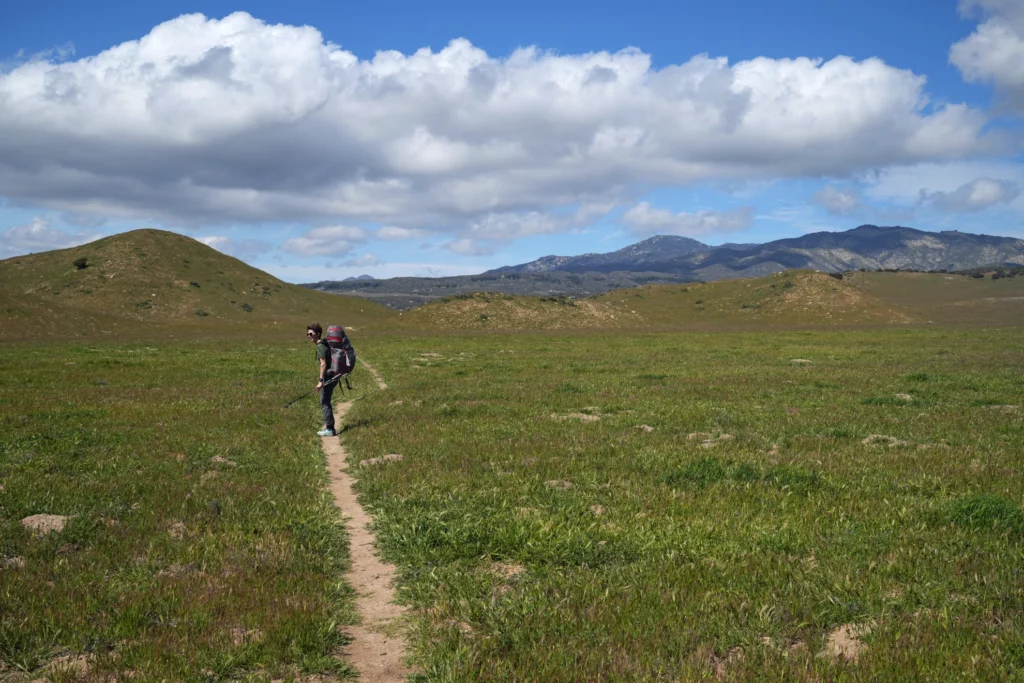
(146, 281)
(782, 300)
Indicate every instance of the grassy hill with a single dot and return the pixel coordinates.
(792, 298)
(147, 281)
(948, 299)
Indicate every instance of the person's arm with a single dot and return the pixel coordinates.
(323, 372)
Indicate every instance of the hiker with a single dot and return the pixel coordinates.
(326, 387)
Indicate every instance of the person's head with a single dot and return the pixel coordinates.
(314, 331)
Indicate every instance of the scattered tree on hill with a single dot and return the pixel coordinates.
(81, 263)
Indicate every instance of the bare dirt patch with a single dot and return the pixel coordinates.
(507, 570)
(885, 441)
(374, 652)
(722, 663)
(390, 457)
(558, 484)
(44, 524)
(582, 417)
(709, 440)
(845, 642)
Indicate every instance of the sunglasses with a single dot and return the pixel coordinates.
(311, 334)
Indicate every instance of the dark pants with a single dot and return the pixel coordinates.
(325, 403)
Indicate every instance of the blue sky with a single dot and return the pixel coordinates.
(320, 140)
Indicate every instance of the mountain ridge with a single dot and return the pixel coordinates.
(866, 246)
(668, 259)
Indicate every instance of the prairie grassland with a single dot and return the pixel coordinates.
(200, 542)
(801, 505)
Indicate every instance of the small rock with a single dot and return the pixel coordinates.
(44, 524)
(645, 428)
(904, 397)
(221, 461)
(801, 361)
(176, 531)
(558, 484)
(597, 509)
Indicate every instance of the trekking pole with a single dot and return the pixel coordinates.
(297, 398)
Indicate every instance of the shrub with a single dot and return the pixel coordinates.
(247, 308)
(201, 313)
(81, 263)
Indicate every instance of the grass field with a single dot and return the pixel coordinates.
(812, 505)
(200, 542)
(787, 505)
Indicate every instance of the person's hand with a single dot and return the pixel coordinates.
(319, 384)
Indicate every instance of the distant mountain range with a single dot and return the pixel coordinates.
(868, 246)
(667, 258)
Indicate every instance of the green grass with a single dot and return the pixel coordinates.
(174, 565)
(153, 284)
(726, 511)
(641, 554)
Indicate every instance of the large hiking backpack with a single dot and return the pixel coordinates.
(343, 356)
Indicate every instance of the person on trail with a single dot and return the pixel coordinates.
(324, 383)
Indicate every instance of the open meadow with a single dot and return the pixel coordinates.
(676, 506)
(794, 477)
(199, 541)
(807, 505)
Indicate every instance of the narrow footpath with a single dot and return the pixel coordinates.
(377, 650)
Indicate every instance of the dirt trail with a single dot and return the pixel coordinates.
(377, 651)
(376, 375)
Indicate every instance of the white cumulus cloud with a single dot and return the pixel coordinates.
(977, 195)
(643, 219)
(335, 240)
(234, 120)
(994, 53)
(38, 235)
